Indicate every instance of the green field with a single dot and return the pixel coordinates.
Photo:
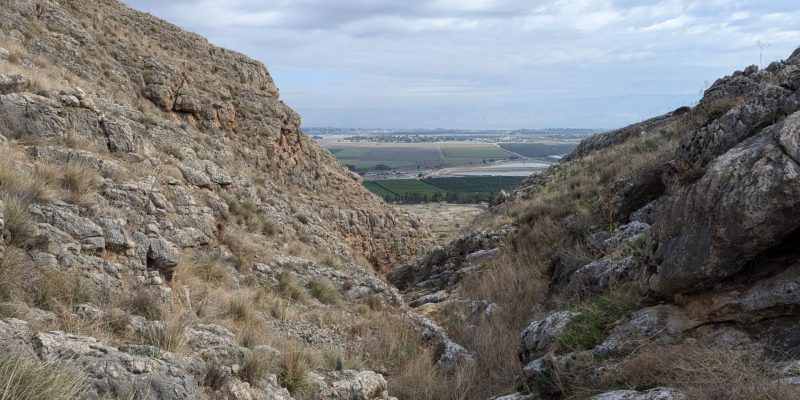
(352, 153)
(468, 189)
(535, 150)
(364, 157)
(372, 164)
(482, 151)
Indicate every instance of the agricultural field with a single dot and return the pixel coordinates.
(476, 151)
(538, 150)
(468, 189)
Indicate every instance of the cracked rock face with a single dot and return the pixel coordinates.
(746, 202)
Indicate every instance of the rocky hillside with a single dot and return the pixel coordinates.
(169, 232)
(658, 261)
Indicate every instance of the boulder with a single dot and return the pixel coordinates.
(539, 336)
(349, 385)
(13, 83)
(659, 393)
(162, 255)
(745, 203)
(119, 372)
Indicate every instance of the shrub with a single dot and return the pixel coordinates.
(324, 291)
(23, 377)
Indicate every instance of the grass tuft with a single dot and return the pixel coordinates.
(22, 377)
(325, 292)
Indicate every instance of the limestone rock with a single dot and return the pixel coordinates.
(540, 335)
(349, 385)
(660, 393)
(162, 255)
(743, 205)
(13, 83)
(113, 372)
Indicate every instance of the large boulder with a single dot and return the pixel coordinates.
(539, 336)
(119, 372)
(349, 385)
(747, 202)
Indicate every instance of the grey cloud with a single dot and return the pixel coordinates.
(485, 63)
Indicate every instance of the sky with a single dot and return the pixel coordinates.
(491, 64)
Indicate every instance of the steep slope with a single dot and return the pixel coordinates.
(169, 232)
(141, 72)
(657, 261)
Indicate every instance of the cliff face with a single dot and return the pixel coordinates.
(148, 86)
(660, 258)
(167, 229)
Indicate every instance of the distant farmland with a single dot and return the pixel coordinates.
(471, 189)
(482, 151)
(536, 150)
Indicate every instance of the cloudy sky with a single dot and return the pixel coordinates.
(491, 63)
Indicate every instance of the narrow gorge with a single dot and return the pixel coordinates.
(169, 232)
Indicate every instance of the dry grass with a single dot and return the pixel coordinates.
(420, 380)
(26, 185)
(62, 290)
(705, 373)
(288, 287)
(80, 181)
(258, 364)
(325, 291)
(169, 334)
(296, 362)
(208, 268)
(20, 228)
(25, 378)
(12, 263)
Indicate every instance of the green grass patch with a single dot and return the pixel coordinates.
(590, 328)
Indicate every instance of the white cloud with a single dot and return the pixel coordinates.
(479, 63)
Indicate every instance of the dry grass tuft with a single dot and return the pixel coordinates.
(23, 377)
(62, 290)
(80, 181)
(325, 291)
(288, 287)
(705, 373)
(170, 334)
(258, 364)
